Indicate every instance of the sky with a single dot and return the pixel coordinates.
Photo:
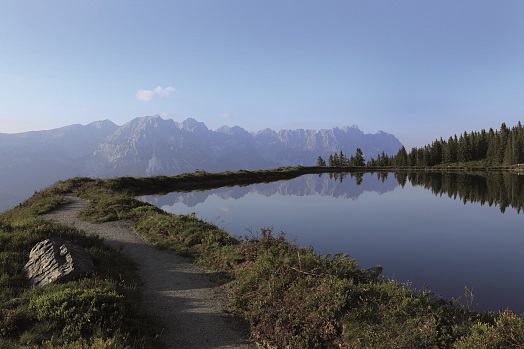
(420, 70)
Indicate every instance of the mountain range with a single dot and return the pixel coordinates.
(152, 145)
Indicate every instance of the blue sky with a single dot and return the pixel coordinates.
(417, 69)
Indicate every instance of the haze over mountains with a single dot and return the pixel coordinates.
(151, 145)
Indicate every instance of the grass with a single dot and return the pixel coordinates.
(100, 311)
(291, 296)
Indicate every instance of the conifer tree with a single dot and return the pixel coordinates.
(358, 159)
(336, 161)
(509, 151)
(450, 151)
(464, 148)
(342, 159)
(401, 159)
(493, 155)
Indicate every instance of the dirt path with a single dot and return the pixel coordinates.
(189, 304)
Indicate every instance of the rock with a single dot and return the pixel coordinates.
(51, 261)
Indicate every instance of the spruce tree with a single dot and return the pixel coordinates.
(464, 148)
(336, 160)
(509, 153)
(358, 159)
(495, 155)
(401, 159)
(450, 151)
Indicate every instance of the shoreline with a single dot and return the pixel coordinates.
(291, 296)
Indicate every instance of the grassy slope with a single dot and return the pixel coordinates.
(291, 296)
(99, 311)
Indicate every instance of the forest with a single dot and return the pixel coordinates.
(492, 148)
(500, 148)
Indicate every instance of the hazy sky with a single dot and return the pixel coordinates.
(417, 69)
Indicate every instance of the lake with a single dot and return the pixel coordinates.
(447, 231)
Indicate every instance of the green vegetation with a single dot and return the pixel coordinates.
(99, 311)
(341, 160)
(201, 180)
(494, 149)
(485, 149)
(291, 296)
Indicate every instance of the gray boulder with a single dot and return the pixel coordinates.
(51, 261)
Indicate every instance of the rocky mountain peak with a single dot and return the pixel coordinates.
(192, 125)
(235, 130)
(103, 124)
(151, 145)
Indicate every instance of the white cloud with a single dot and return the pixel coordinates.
(225, 116)
(144, 95)
(164, 92)
(147, 95)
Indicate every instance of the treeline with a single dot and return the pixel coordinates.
(504, 147)
(341, 160)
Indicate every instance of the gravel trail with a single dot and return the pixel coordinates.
(179, 293)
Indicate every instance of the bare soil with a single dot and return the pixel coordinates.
(184, 297)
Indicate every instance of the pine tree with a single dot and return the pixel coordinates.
(482, 145)
(342, 159)
(516, 144)
(495, 155)
(464, 148)
(412, 157)
(450, 151)
(435, 153)
(504, 137)
(493, 147)
(508, 153)
(401, 159)
(321, 162)
(336, 161)
(384, 160)
(358, 158)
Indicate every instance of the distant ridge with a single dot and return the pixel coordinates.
(151, 145)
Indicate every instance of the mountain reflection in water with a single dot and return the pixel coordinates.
(336, 185)
(445, 230)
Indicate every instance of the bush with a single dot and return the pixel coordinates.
(506, 332)
(80, 313)
(293, 297)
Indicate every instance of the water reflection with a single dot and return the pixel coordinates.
(502, 189)
(445, 230)
(335, 185)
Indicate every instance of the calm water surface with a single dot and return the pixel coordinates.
(417, 236)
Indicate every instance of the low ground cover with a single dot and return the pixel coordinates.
(99, 311)
(291, 296)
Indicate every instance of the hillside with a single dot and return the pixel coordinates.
(151, 145)
(291, 296)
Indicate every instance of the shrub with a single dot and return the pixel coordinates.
(74, 310)
(506, 332)
(293, 297)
